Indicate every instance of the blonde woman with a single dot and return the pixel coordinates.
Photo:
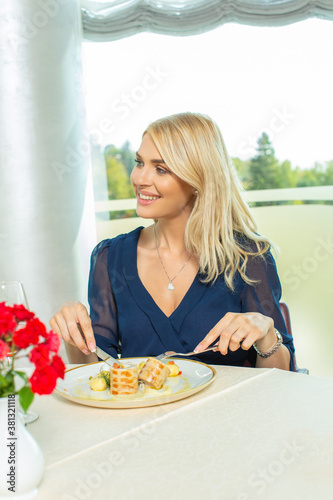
(200, 275)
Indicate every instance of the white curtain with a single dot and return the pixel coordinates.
(47, 226)
(110, 20)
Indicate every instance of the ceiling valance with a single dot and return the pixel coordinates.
(114, 19)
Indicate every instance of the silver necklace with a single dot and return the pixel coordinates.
(170, 285)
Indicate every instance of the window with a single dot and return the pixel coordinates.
(266, 84)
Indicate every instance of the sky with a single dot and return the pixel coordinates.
(248, 79)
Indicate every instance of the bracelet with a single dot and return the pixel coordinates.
(274, 348)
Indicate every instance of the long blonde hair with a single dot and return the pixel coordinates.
(221, 231)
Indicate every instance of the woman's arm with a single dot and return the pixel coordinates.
(103, 309)
(82, 332)
(241, 330)
(280, 358)
(260, 314)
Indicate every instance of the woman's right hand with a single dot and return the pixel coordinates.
(69, 320)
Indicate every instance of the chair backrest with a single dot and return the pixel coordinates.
(286, 316)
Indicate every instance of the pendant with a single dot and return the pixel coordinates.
(170, 286)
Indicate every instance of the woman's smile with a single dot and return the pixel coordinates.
(145, 198)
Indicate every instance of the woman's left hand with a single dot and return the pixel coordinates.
(240, 330)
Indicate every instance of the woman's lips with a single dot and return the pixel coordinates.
(145, 199)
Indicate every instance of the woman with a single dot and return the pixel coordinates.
(199, 275)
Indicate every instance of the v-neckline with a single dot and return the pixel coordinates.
(140, 292)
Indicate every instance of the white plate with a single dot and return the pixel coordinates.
(75, 386)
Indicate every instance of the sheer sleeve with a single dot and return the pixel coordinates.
(264, 296)
(103, 311)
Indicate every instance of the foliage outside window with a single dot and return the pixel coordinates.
(262, 171)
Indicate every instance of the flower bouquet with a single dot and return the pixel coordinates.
(21, 330)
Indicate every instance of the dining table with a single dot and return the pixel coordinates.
(252, 433)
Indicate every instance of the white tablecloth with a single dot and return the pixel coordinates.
(252, 434)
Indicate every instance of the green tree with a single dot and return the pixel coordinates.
(242, 168)
(264, 168)
(328, 179)
(310, 176)
(119, 184)
(124, 154)
(318, 175)
(288, 176)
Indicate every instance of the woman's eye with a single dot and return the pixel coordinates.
(161, 170)
(139, 163)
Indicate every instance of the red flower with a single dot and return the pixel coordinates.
(40, 356)
(15, 336)
(25, 336)
(29, 335)
(3, 307)
(4, 350)
(58, 365)
(53, 342)
(21, 313)
(38, 326)
(43, 380)
(7, 319)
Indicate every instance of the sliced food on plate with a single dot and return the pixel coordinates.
(124, 378)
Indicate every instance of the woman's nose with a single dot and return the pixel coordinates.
(142, 176)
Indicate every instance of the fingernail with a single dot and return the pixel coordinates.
(92, 347)
(198, 348)
(85, 351)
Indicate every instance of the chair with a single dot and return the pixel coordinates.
(286, 316)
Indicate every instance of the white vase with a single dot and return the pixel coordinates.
(21, 459)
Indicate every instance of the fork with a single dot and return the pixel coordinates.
(169, 354)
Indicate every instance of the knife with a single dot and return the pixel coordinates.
(100, 353)
(106, 357)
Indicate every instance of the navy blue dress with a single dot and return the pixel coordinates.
(126, 319)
